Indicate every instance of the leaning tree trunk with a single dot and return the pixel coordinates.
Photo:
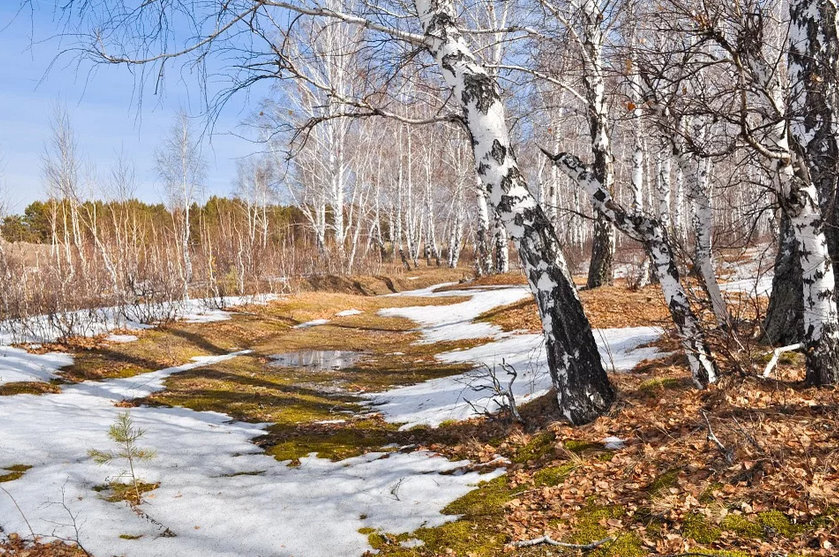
(703, 222)
(784, 321)
(655, 238)
(582, 387)
(813, 103)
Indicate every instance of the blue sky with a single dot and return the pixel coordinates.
(104, 110)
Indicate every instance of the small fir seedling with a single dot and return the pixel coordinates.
(125, 435)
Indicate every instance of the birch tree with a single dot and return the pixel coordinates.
(181, 167)
(583, 390)
(811, 174)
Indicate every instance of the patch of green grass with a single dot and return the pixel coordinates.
(536, 448)
(14, 472)
(130, 536)
(247, 390)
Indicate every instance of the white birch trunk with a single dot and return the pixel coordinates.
(655, 238)
(812, 61)
(583, 390)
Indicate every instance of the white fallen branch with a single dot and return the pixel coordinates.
(776, 354)
(547, 540)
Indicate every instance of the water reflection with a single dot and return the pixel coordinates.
(317, 360)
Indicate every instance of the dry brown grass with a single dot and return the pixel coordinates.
(606, 307)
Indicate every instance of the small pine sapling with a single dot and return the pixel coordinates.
(125, 435)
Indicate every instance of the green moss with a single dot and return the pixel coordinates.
(776, 522)
(130, 536)
(707, 496)
(696, 527)
(664, 481)
(553, 475)
(741, 526)
(538, 447)
(463, 538)
(651, 386)
(116, 491)
(723, 552)
(488, 499)
(476, 532)
(14, 472)
(578, 447)
(766, 525)
(589, 529)
(828, 519)
(335, 445)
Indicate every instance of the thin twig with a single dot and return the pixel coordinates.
(14, 502)
(712, 437)
(547, 540)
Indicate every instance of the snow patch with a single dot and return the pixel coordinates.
(613, 443)
(218, 492)
(312, 323)
(348, 312)
(121, 338)
(100, 321)
(455, 321)
(435, 401)
(17, 364)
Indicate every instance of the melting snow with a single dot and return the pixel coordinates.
(17, 364)
(99, 321)
(312, 323)
(121, 338)
(348, 312)
(455, 321)
(218, 493)
(448, 398)
(614, 443)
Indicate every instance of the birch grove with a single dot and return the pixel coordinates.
(415, 136)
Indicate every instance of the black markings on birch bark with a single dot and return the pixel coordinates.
(603, 239)
(655, 239)
(812, 64)
(583, 389)
(784, 323)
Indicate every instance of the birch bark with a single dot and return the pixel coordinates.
(582, 387)
(655, 238)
